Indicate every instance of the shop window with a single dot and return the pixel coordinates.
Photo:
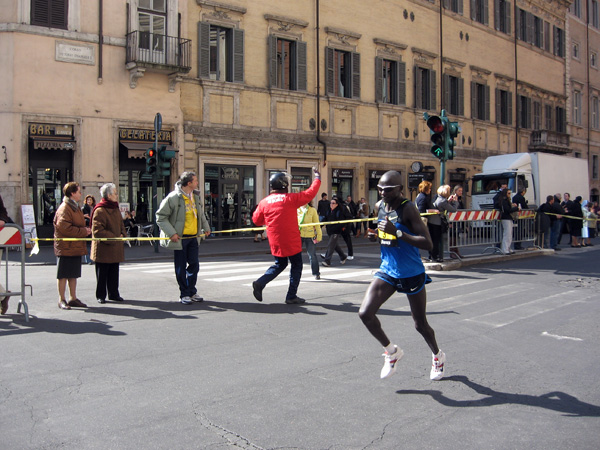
(221, 53)
(50, 13)
(390, 81)
(287, 64)
(343, 73)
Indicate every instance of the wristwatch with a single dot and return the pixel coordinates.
(399, 234)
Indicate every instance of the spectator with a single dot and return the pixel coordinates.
(456, 201)
(438, 222)
(333, 231)
(311, 235)
(589, 224)
(556, 226)
(69, 223)
(323, 207)
(575, 224)
(363, 213)
(545, 219)
(353, 208)
(4, 219)
(88, 206)
(348, 227)
(107, 223)
(130, 224)
(519, 200)
(181, 218)
(423, 203)
(506, 209)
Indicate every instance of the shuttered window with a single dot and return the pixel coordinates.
(503, 107)
(502, 16)
(454, 94)
(50, 13)
(390, 81)
(287, 64)
(479, 11)
(524, 111)
(220, 53)
(480, 101)
(342, 70)
(425, 88)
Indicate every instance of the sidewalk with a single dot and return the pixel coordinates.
(244, 246)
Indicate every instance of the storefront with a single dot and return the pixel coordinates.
(135, 185)
(342, 182)
(229, 196)
(50, 152)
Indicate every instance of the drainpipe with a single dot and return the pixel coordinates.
(587, 75)
(319, 139)
(516, 107)
(100, 40)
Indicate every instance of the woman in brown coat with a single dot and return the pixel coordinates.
(107, 223)
(69, 223)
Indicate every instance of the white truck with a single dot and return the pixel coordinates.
(542, 174)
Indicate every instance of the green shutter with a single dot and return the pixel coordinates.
(203, 50)
(378, 79)
(272, 49)
(461, 97)
(355, 57)
(238, 56)
(401, 83)
(329, 71)
(432, 90)
(301, 71)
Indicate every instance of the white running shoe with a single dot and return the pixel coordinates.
(350, 258)
(437, 366)
(186, 300)
(389, 365)
(196, 298)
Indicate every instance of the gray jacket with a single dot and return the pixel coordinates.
(170, 217)
(442, 205)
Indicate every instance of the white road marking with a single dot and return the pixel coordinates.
(560, 338)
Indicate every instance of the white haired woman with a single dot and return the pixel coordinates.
(107, 222)
(442, 204)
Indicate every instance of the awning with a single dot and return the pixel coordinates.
(138, 149)
(53, 144)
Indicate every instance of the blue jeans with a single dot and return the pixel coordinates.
(554, 233)
(187, 266)
(281, 263)
(311, 249)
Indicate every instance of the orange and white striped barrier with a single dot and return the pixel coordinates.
(468, 215)
(10, 236)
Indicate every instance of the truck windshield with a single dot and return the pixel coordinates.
(487, 184)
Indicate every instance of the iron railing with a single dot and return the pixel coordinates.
(160, 51)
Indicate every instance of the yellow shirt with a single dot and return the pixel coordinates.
(191, 216)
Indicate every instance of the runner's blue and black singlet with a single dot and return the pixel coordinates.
(399, 259)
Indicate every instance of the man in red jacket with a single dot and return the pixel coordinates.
(278, 212)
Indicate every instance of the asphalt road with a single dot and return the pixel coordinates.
(521, 340)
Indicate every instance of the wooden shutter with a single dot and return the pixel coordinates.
(473, 9)
(329, 71)
(507, 15)
(509, 107)
(417, 85)
(272, 49)
(203, 50)
(474, 109)
(301, 73)
(498, 105)
(238, 55)
(355, 76)
(530, 28)
(460, 7)
(446, 91)
(497, 15)
(401, 83)
(432, 90)
(378, 79)
(486, 12)
(446, 4)
(461, 97)
(50, 13)
(487, 103)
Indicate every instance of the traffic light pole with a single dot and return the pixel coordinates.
(157, 127)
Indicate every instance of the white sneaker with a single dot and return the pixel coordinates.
(437, 366)
(350, 258)
(196, 298)
(389, 365)
(186, 300)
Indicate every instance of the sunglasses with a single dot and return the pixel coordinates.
(387, 189)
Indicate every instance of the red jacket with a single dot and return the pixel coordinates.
(279, 213)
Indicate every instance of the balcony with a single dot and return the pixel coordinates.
(549, 141)
(157, 53)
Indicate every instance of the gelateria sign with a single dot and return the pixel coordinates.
(134, 134)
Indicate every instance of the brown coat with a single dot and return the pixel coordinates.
(107, 223)
(69, 223)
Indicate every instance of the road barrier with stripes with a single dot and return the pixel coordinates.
(483, 228)
(12, 237)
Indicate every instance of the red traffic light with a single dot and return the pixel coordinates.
(151, 153)
(435, 124)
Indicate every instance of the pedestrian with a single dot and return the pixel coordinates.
(181, 218)
(278, 211)
(347, 230)
(334, 230)
(456, 228)
(438, 223)
(519, 200)
(107, 223)
(556, 226)
(88, 206)
(69, 223)
(575, 224)
(353, 210)
(424, 205)
(323, 207)
(506, 208)
(402, 233)
(4, 219)
(565, 204)
(545, 219)
(311, 235)
(589, 224)
(363, 213)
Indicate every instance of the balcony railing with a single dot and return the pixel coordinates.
(549, 141)
(159, 51)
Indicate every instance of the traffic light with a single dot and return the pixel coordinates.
(164, 161)
(438, 129)
(452, 131)
(150, 161)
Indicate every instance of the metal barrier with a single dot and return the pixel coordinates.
(477, 228)
(12, 236)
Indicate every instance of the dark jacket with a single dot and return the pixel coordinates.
(544, 221)
(423, 202)
(323, 208)
(506, 208)
(520, 200)
(339, 213)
